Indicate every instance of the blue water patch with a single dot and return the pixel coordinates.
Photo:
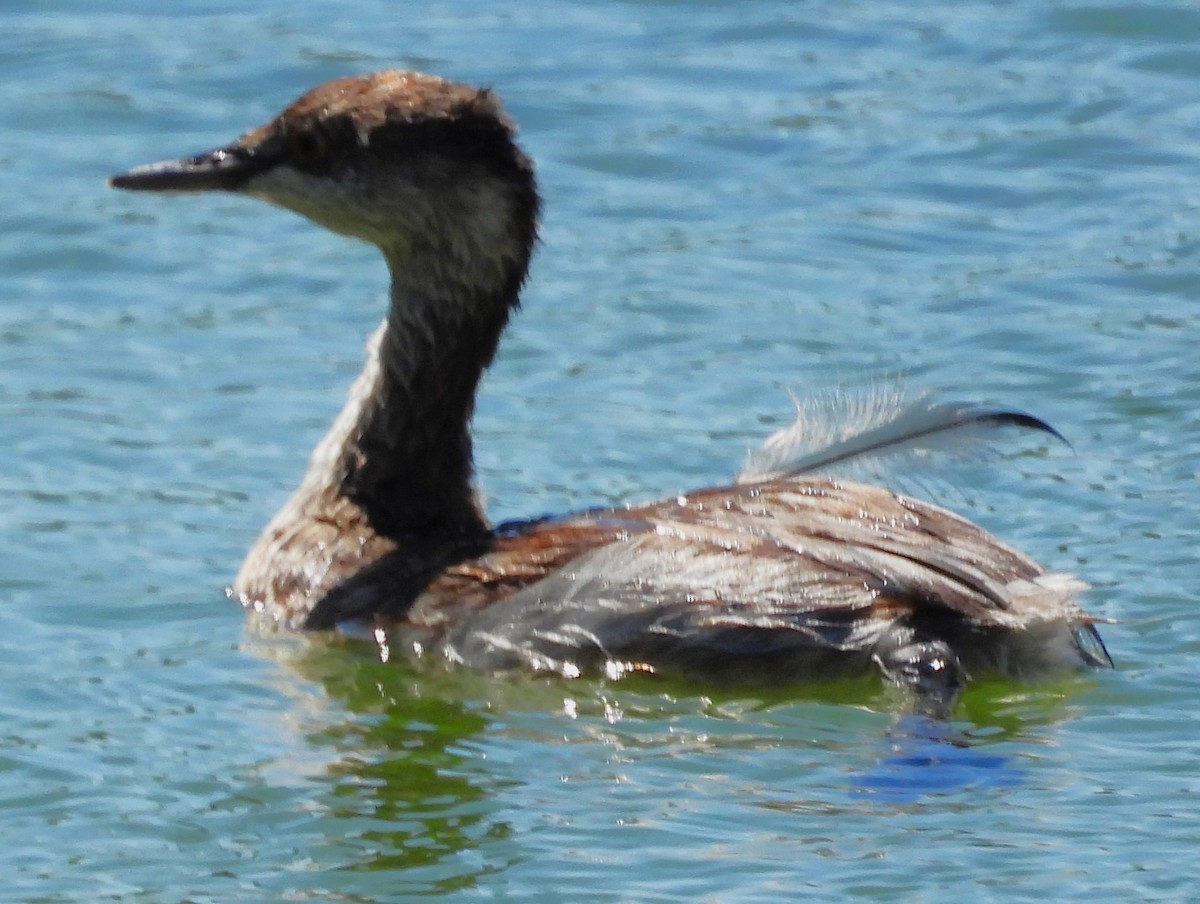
(927, 758)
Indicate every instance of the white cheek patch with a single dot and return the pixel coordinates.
(328, 202)
(468, 215)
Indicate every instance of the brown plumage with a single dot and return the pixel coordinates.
(802, 574)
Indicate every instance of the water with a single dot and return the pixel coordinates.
(1000, 200)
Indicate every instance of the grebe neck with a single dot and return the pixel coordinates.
(407, 462)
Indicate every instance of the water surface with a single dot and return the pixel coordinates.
(997, 199)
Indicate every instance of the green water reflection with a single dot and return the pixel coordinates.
(432, 771)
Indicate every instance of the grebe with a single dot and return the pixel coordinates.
(789, 575)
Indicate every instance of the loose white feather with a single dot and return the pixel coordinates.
(843, 433)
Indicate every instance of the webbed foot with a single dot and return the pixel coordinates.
(930, 669)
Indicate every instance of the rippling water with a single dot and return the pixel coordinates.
(1000, 200)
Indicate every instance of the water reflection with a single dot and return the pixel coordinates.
(433, 780)
(402, 790)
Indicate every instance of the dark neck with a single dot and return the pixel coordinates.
(408, 461)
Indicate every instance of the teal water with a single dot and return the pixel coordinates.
(1000, 200)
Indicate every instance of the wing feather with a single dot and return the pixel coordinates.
(801, 563)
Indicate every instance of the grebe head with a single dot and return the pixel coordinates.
(406, 161)
(427, 170)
